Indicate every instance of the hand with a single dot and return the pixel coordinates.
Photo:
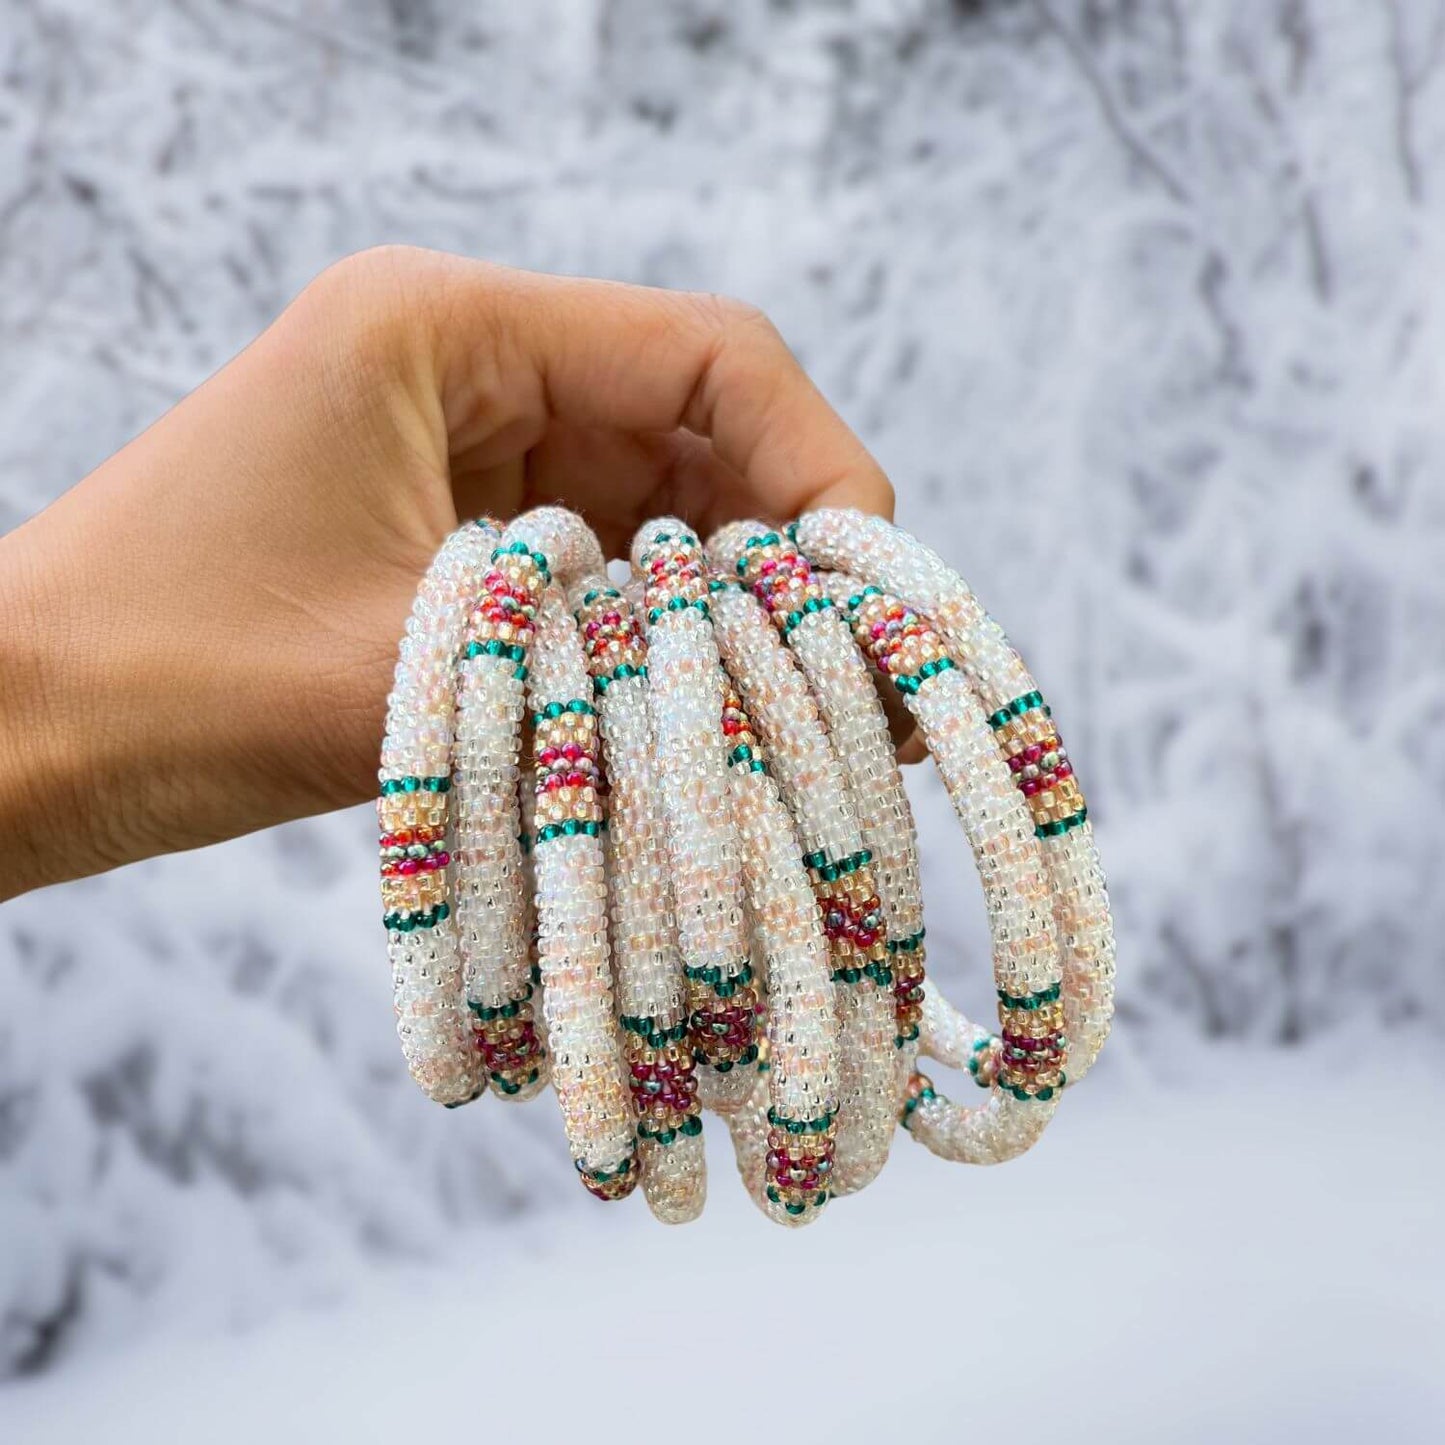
(198, 639)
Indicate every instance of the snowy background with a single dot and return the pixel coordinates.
(1140, 304)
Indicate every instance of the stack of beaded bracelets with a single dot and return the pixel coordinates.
(698, 886)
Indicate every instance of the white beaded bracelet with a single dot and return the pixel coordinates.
(685, 699)
(412, 813)
(573, 955)
(651, 986)
(789, 1170)
(493, 909)
(880, 553)
(1024, 1089)
(802, 758)
(782, 579)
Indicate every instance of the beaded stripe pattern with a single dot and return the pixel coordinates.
(651, 988)
(869, 546)
(1029, 740)
(783, 580)
(686, 703)
(1034, 1049)
(568, 778)
(493, 920)
(412, 812)
(412, 817)
(785, 715)
(800, 1117)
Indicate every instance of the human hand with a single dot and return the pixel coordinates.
(197, 639)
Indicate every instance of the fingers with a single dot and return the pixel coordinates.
(519, 351)
(913, 749)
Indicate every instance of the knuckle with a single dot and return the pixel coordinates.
(732, 316)
(362, 306)
(382, 265)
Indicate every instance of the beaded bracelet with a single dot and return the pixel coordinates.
(791, 1175)
(1027, 970)
(785, 716)
(875, 550)
(412, 811)
(685, 702)
(783, 581)
(493, 920)
(651, 987)
(587, 1069)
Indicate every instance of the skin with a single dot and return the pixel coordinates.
(197, 640)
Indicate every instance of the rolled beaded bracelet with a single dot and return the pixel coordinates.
(790, 1176)
(651, 986)
(782, 579)
(573, 953)
(1027, 966)
(880, 553)
(685, 702)
(802, 758)
(412, 813)
(493, 901)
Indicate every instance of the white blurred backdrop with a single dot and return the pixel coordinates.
(1139, 303)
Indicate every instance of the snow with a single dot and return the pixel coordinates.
(1253, 1261)
(1140, 307)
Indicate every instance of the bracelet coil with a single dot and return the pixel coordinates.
(785, 716)
(796, 1111)
(685, 703)
(413, 816)
(1022, 723)
(1029, 1074)
(651, 986)
(493, 909)
(769, 563)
